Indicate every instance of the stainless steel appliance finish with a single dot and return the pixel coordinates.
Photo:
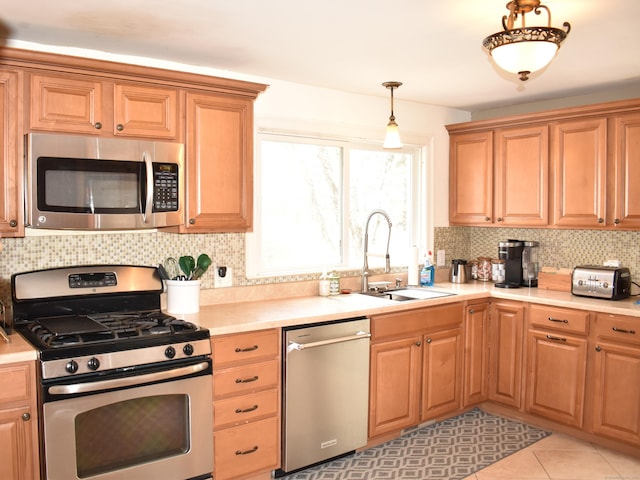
(612, 283)
(530, 265)
(458, 272)
(326, 391)
(88, 183)
(124, 389)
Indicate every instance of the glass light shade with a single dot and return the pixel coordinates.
(392, 137)
(524, 56)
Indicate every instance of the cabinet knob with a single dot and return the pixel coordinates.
(471, 310)
(26, 417)
(486, 219)
(601, 220)
(98, 125)
(598, 348)
(429, 340)
(499, 219)
(13, 223)
(616, 221)
(418, 344)
(119, 127)
(192, 221)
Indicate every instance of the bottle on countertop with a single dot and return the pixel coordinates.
(324, 284)
(427, 274)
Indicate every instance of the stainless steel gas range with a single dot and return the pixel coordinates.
(125, 390)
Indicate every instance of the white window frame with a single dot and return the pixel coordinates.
(422, 205)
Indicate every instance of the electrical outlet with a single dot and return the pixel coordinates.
(440, 258)
(223, 277)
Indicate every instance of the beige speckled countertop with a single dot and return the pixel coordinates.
(242, 317)
(239, 317)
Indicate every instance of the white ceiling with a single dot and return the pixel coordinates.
(433, 46)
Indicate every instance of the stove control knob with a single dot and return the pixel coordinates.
(71, 366)
(170, 352)
(188, 349)
(93, 363)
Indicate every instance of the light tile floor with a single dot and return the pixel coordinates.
(561, 457)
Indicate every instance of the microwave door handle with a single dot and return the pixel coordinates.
(148, 163)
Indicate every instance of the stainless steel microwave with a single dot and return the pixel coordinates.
(88, 183)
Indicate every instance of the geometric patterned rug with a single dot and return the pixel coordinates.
(449, 450)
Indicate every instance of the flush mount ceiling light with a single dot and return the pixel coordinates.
(392, 137)
(523, 49)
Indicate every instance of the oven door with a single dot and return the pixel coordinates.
(161, 429)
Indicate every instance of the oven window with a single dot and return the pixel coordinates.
(131, 432)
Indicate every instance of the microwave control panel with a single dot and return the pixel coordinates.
(165, 187)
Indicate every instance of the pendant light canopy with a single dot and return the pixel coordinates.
(392, 137)
(523, 49)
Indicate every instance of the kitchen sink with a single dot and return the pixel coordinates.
(407, 294)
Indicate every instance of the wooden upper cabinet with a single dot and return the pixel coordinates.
(10, 191)
(626, 134)
(69, 104)
(471, 178)
(579, 156)
(219, 163)
(521, 181)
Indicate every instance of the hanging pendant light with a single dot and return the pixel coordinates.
(523, 49)
(392, 137)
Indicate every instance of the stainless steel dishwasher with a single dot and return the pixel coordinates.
(325, 391)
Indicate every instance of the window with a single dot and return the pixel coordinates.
(313, 198)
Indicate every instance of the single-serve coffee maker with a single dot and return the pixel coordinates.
(530, 263)
(511, 252)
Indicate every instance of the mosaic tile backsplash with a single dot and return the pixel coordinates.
(558, 248)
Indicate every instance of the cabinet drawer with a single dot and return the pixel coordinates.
(16, 383)
(245, 408)
(618, 327)
(246, 378)
(245, 347)
(412, 321)
(246, 449)
(562, 319)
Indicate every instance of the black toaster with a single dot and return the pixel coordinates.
(611, 283)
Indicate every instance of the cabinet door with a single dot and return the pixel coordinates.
(394, 385)
(143, 111)
(476, 354)
(521, 187)
(10, 191)
(17, 439)
(617, 392)
(219, 164)
(471, 178)
(627, 170)
(441, 373)
(505, 353)
(556, 372)
(67, 104)
(579, 155)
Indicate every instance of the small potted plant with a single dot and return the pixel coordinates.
(183, 290)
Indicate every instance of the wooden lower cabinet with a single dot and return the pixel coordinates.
(246, 404)
(616, 378)
(557, 363)
(18, 423)
(416, 367)
(505, 352)
(476, 354)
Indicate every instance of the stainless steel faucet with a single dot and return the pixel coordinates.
(365, 268)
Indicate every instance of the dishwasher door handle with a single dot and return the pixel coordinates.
(303, 346)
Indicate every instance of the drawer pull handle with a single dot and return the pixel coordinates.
(622, 330)
(248, 349)
(551, 319)
(557, 339)
(247, 380)
(246, 410)
(247, 452)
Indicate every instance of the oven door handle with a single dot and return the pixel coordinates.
(127, 381)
